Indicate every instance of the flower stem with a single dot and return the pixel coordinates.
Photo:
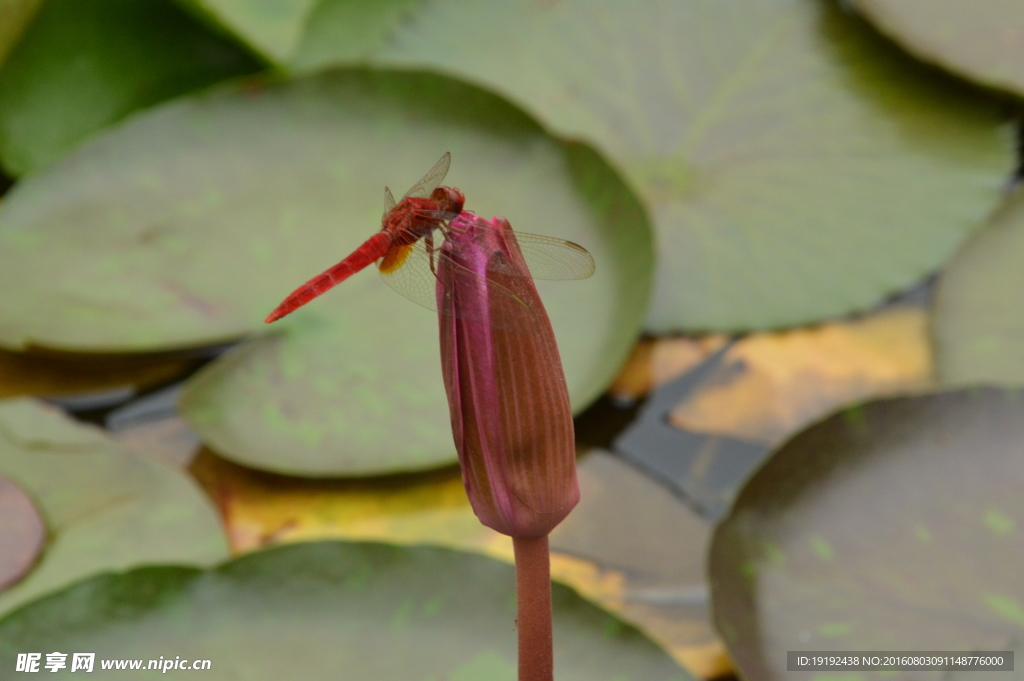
(533, 594)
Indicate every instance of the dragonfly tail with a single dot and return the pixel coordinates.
(373, 249)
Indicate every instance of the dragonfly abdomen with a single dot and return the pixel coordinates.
(372, 250)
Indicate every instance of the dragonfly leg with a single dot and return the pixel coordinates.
(429, 240)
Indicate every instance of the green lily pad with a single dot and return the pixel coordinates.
(982, 40)
(270, 28)
(796, 165)
(892, 526)
(83, 65)
(105, 509)
(14, 16)
(22, 533)
(978, 320)
(330, 610)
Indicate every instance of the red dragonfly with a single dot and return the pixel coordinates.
(407, 247)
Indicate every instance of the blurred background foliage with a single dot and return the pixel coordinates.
(807, 232)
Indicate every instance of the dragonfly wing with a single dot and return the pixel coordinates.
(432, 180)
(554, 259)
(406, 269)
(389, 201)
(410, 270)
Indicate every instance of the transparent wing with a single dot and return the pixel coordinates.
(432, 180)
(555, 259)
(389, 201)
(410, 270)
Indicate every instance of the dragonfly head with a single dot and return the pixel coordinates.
(449, 199)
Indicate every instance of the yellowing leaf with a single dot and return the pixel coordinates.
(771, 384)
(52, 374)
(658, 360)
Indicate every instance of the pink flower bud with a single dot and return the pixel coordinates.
(506, 390)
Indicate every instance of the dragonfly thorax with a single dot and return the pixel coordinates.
(415, 218)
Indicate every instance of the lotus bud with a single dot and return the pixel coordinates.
(507, 395)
